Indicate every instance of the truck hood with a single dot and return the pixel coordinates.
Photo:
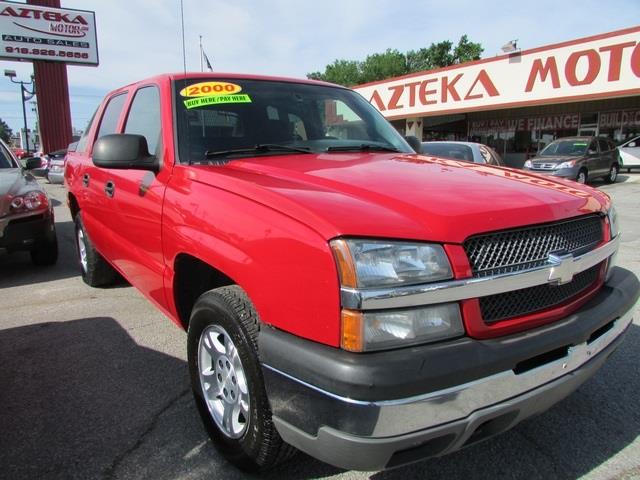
(400, 195)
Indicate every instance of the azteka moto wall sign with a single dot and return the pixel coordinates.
(603, 66)
(33, 32)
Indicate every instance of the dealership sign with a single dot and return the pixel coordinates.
(603, 66)
(34, 32)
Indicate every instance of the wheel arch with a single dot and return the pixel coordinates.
(74, 206)
(193, 277)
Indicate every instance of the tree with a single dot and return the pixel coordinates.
(383, 65)
(393, 63)
(5, 131)
(342, 72)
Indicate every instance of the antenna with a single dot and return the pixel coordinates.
(184, 49)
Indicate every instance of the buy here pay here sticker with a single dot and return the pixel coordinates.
(212, 93)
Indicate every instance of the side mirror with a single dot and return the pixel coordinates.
(414, 143)
(632, 145)
(124, 151)
(31, 163)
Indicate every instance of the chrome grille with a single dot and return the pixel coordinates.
(529, 300)
(544, 166)
(529, 247)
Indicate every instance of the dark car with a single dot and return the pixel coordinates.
(466, 151)
(26, 214)
(578, 158)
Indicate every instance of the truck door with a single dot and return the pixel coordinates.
(97, 206)
(138, 196)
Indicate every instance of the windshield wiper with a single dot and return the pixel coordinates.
(365, 147)
(259, 148)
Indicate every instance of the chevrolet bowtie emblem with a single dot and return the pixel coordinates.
(562, 269)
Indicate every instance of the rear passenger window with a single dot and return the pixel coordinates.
(604, 145)
(144, 116)
(81, 146)
(111, 114)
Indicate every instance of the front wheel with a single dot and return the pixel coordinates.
(582, 176)
(227, 382)
(612, 176)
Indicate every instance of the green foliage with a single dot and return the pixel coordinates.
(5, 131)
(393, 63)
(342, 72)
(383, 65)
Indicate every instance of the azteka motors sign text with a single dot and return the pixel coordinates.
(597, 67)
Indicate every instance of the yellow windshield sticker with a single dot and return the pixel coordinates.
(217, 99)
(207, 89)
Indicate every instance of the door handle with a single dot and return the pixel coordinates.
(110, 189)
(85, 180)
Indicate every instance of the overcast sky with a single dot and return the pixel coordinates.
(140, 38)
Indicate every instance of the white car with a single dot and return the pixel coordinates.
(630, 153)
(466, 151)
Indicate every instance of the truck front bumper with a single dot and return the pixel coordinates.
(385, 409)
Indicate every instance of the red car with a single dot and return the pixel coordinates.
(342, 294)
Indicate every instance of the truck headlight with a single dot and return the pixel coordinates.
(384, 329)
(528, 164)
(380, 263)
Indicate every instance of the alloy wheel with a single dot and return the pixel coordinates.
(223, 381)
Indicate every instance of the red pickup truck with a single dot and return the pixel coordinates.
(341, 293)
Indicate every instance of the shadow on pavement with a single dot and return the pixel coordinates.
(76, 396)
(81, 399)
(16, 268)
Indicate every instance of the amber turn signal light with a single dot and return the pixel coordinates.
(344, 262)
(351, 335)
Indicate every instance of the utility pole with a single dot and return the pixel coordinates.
(23, 90)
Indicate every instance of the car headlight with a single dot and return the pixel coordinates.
(568, 164)
(29, 202)
(380, 263)
(528, 164)
(614, 224)
(384, 329)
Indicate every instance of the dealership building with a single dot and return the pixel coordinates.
(520, 101)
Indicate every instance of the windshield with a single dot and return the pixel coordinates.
(565, 147)
(240, 118)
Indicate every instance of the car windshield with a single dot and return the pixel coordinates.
(565, 147)
(223, 118)
(455, 151)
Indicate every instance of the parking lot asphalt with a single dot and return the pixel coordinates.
(94, 384)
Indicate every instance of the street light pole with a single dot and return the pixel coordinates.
(12, 74)
(24, 116)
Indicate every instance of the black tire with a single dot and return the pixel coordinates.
(259, 446)
(612, 176)
(582, 176)
(96, 272)
(46, 253)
